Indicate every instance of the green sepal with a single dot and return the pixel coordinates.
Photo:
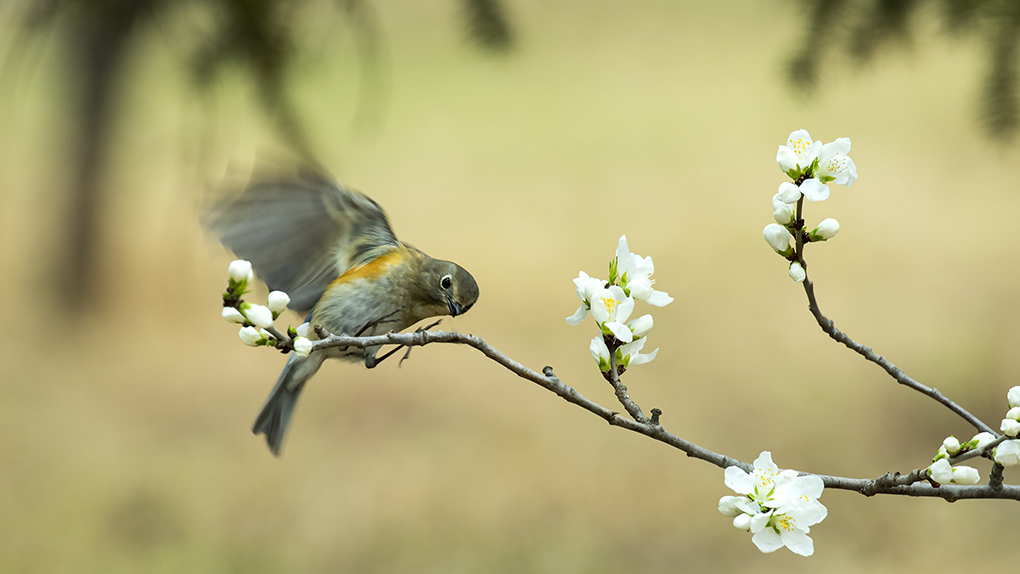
(604, 365)
(612, 271)
(291, 332)
(826, 179)
(794, 173)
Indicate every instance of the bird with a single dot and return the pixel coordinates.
(331, 249)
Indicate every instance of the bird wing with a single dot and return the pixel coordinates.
(300, 233)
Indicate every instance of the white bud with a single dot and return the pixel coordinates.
(600, 351)
(1008, 453)
(943, 451)
(302, 329)
(728, 505)
(258, 315)
(1013, 413)
(827, 229)
(641, 326)
(966, 475)
(250, 336)
(797, 272)
(783, 214)
(302, 347)
(742, 522)
(1013, 396)
(951, 445)
(788, 192)
(1010, 427)
(776, 202)
(941, 471)
(240, 270)
(278, 301)
(983, 438)
(778, 237)
(232, 315)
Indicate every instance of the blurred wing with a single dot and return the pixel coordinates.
(300, 234)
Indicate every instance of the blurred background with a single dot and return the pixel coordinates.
(521, 140)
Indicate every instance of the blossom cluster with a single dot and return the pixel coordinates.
(611, 304)
(257, 320)
(812, 166)
(778, 507)
(1007, 453)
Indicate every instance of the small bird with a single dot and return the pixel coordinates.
(332, 250)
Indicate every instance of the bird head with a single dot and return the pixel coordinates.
(450, 287)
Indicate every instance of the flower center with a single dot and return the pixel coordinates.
(787, 523)
(836, 164)
(799, 145)
(610, 305)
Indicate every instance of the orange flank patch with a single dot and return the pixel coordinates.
(373, 268)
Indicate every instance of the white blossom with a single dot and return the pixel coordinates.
(798, 154)
(797, 272)
(778, 237)
(586, 287)
(628, 355)
(982, 439)
(1010, 427)
(240, 270)
(611, 308)
(1006, 454)
(941, 471)
(788, 193)
(277, 302)
(1013, 396)
(250, 336)
(966, 475)
(1013, 413)
(780, 506)
(951, 444)
(827, 229)
(834, 165)
(635, 275)
(600, 351)
(641, 326)
(302, 346)
(232, 315)
(784, 214)
(259, 315)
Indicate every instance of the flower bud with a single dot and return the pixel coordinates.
(784, 214)
(250, 336)
(943, 452)
(827, 229)
(1013, 413)
(240, 270)
(278, 301)
(788, 192)
(951, 445)
(966, 475)
(778, 237)
(982, 439)
(1007, 453)
(941, 471)
(742, 522)
(797, 272)
(232, 315)
(641, 326)
(728, 505)
(1013, 396)
(302, 347)
(776, 202)
(258, 315)
(302, 329)
(1010, 427)
(600, 351)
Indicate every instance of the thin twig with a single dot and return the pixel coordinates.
(892, 483)
(613, 376)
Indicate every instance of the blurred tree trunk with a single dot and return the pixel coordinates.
(99, 41)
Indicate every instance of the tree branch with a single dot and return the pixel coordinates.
(891, 483)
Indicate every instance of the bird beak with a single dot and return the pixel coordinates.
(454, 307)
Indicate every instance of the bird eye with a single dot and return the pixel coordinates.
(445, 282)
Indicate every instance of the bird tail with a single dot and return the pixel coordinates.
(274, 417)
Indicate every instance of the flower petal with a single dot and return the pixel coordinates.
(814, 190)
(579, 316)
(738, 480)
(620, 331)
(659, 299)
(767, 540)
(798, 542)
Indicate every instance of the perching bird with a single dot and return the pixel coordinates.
(331, 249)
